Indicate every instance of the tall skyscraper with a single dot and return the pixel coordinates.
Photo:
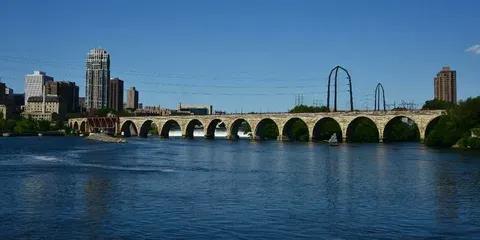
(132, 100)
(446, 85)
(67, 93)
(34, 84)
(116, 94)
(97, 79)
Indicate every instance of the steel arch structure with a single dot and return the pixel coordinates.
(379, 90)
(334, 72)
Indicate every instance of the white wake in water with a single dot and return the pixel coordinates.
(54, 159)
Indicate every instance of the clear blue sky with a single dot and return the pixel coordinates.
(247, 55)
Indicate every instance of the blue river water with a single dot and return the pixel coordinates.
(72, 188)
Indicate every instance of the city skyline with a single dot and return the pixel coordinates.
(193, 57)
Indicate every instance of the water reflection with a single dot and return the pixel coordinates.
(175, 188)
(446, 194)
(97, 190)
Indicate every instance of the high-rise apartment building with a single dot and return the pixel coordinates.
(115, 100)
(446, 85)
(67, 92)
(132, 99)
(34, 84)
(97, 79)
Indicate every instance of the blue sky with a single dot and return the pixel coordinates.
(247, 55)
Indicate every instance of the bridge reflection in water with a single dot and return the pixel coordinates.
(233, 126)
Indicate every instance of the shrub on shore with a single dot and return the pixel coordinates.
(456, 126)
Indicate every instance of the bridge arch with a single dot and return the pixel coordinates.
(324, 129)
(266, 129)
(190, 127)
(295, 129)
(401, 129)
(129, 129)
(168, 126)
(212, 126)
(237, 125)
(429, 126)
(362, 129)
(83, 127)
(75, 126)
(148, 126)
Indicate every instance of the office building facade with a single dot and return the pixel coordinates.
(132, 99)
(34, 84)
(67, 92)
(97, 79)
(115, 100)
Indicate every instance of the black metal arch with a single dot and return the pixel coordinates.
(335, 69)
(377, 97)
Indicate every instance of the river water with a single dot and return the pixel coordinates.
(72, 188)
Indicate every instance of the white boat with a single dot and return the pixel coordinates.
(333, 140)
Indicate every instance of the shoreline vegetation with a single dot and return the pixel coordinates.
(458, 128)
(30, 127)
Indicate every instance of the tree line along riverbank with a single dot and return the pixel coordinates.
(460, 127)
(30, 127)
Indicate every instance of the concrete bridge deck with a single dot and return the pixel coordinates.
(186, 124)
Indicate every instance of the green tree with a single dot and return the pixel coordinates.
(457, 123)
(326, 128)
(308, 109)
(268, 130)
(401, 131)
(2, 125)
(9, 125)
(363, 130)
(43, 125)
(153, 130)
(298, 131)
(103, 112)
(59, 124)
(25, 126)
(437, 104)
(246, 127)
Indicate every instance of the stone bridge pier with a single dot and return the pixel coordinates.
(345, 122)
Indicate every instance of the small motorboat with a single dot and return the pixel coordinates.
(333, 140)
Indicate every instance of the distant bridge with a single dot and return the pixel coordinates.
(139, 126)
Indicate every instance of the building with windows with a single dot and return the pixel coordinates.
(8, 91)
(446, 85)
(44, 108)
(115, 101)
(97, 79)
(132, 99)
(67, 92)
(5, 101)
(195, 109)
(34, 84)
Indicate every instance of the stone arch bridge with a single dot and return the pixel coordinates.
(139, 126)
